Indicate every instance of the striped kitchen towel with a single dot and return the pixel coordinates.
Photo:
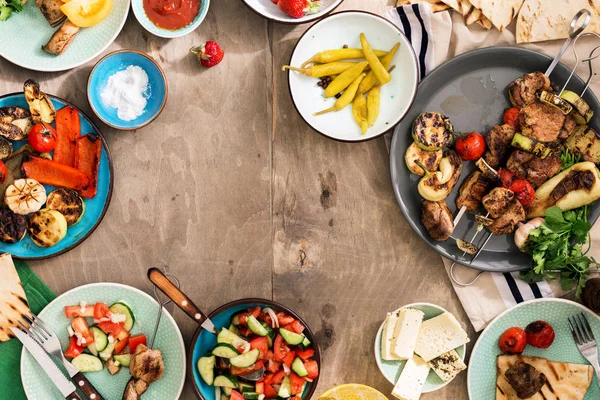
(492, 293)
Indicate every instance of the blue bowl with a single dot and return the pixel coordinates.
(140, 14)
(203, 342)
(118, 61)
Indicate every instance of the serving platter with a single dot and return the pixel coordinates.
(95, 207)
(471, 90)
(270, 11)
(481, 379)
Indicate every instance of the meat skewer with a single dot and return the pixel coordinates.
(574, 32)
(470, 194)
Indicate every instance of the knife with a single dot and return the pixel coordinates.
(68, 390)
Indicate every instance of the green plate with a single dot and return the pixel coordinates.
(23, 47)
(482, 367)
(168, 339)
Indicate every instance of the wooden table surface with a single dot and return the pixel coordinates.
(240, 198)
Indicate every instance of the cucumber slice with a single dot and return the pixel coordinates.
(298, 368)
(226, 381)
(206, 368)
(305, 344)
(92, 349)
(233, 329)
(107, 352)
(227, 391)
(256, 327)
(100, 339)
(270, 332)
(251, 395)
(290, 337)
(225, 350)
(87, 363)
(285, 390)
(226, 336)
(234, 319)
(122, 308)
(123, 359)
(245, 387)
(245, 360)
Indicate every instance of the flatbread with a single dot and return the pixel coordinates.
(469, 12)
(501, 12)
(436, 5)
(539, 20)
(13, 302)
(565, 380)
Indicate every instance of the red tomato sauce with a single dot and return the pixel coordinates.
(171, 14)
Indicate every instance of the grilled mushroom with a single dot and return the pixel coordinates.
(40, 105)
(15, 123)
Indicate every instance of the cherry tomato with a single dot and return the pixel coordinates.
(470, 147)
(540, 334)
(513, 341)
(511, 117)
(3, 172)
(523, 191)
(42, 138)
(506, 177)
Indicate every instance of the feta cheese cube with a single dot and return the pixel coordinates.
(411, 381)
(439, 335)
(448, 365)
(388, 336)
(406, 332)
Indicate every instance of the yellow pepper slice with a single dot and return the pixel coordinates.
(345, 98)
(373, 102)
(328, 56)
(343, 80)
(376, 66)
(321, 70)
(359, 111)
(371, 80)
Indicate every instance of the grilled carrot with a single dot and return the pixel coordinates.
(67, 131)
(88, 149)
(53, 173)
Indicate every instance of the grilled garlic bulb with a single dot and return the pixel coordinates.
(25, 196)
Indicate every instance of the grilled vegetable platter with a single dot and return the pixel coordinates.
(500, 147)
(55, 174)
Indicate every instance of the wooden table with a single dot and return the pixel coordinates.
(240, 198)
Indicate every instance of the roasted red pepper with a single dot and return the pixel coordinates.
(52, 173)
(88, 150)
(67, 131)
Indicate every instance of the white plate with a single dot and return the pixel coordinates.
(269, 10)
(333, 32)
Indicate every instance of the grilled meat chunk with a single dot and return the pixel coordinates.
(62, 38)
(498, 141)
(134, 389)
(505, 209)
(12, 226)
(497, 200)
(51, 11)
(541, 121)
(472, 191)
(568, 127)
(535, 169)
(523, 91)
(111, 366)
(525, 379)
(146, 364)
(437, 219)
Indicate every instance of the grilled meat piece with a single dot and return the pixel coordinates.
(568, 127)
(497, 200)
(541, 121)
(525, 379)
(437, 219)
(472, 191)
(134, 389)
(111, 366)
(51, 11)
(146, 364)
(505, 209)
(535, 169)
(12, 226)
(62, 38)
(498, 141)
(523, 91)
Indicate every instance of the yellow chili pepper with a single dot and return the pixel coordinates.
(376, 66)
(343, 80)
(328, 56)
(359, 110)
(373, 104)
(321, 70)
(370, 80)
(345, 98)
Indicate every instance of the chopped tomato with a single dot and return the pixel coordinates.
(260, 388)
(289, 358)
(245, 332)
(241, 319)
(261, 344)
(268, 320)
(280, 349)
(270, 393)
(273, 366)
(284, 319)
(296, 398)
(101, 311)
(80, 326)
(278, 377)
(78, 311)
(135, 341)
(120, 346)
(74, 349)
(511, 117)
(295, 326)
(306, 354)
(267, 378)
(269, 355)
(240, 348)
(254, 311)
(235, 395)
(222, 364)
(312, 368)
(235, 371)
(297, 383)
(110, 328)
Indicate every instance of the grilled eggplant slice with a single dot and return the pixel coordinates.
(68, 202)
(40, 104)
(47, 227)
(6, 148)
(13, 227)
(429, 159)
(432, 131)
(15, 123)
(585, 141)
(51, 11)
(62, 38)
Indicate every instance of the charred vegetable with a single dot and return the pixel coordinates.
(47, 227)
(585, 142)
(69, 203)
(530, 145)
(584, 111)
(436, 186)
(6, 148)
(432, 131)
(13, 168)
(556, 101)
(25, 196)
(40, 104)
(15, 123)
(429, 159)
(13, 227)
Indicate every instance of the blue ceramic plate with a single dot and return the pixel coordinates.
(140, 14)
(156, 95)
(94, 208)
(204, 342)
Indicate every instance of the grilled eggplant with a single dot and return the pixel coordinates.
(436, 186)
(429, 159)
(585, 141)
(13, 227)
(68, 202)
(432, 131)
(15, 123)
(6, 148)
(47, 227)
(51, 11)
(40, 104)
(62, 38)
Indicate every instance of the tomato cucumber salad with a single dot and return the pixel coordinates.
(262, 355)
(100, 335)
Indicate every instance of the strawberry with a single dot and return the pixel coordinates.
(299, 8)
(209, 54)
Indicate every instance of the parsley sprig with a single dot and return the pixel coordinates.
(8, 6)
(568, 159)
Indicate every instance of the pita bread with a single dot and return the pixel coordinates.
(500, 12)
(13, 302)
(539, 21)
(436, 5)
(565, 380)
(469, 12)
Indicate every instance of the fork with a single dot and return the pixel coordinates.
(44, 335)
(585, 341)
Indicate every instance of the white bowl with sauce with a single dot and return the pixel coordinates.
(150, 26)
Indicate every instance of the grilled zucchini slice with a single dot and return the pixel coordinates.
(583, 108)
(550, 98)
(432, 131)
(13, 227)
(530, 145)
(585, 141)
(67, 202)
(47, 227)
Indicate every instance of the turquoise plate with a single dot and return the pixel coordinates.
(168, 339)
(391, 370)
(25, 45)
(482, 367)
(95, 208)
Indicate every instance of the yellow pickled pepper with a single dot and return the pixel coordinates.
(371, 80)
(321, 70)
(376, 66)
(359, 111)
(328, 56)
(345, 98)
(373, 100)
(343, 80)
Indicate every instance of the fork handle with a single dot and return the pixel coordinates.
(74, 396)
(86, 387)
